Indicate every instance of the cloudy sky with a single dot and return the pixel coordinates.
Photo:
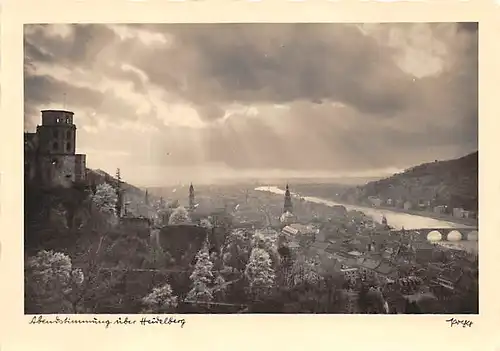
(171, 103)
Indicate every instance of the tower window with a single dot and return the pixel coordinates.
(55, 146)
(68, 134)
(56, 133)
(68, 146)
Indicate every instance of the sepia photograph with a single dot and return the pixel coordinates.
(245, 168)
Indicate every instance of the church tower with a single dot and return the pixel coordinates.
(191, 197)
(288, 201)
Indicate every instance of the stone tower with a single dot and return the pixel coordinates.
(59, 165)
(288, 201)
(191, 197)
(57, 134)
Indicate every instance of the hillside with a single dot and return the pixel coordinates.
(51, 212)
(117, 258)
(98, 176)
(453, 183)
(134, 197)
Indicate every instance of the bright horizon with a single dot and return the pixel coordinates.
(352, 178)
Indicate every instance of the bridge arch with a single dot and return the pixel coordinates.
(443, 234)
(454, 235)
(434, 235)
(472, 236)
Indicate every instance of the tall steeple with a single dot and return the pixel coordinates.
(191, 197)
(288, 207)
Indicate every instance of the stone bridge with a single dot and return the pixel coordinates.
(443, 234)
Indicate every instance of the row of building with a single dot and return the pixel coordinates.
(422, 206)
(404, 266)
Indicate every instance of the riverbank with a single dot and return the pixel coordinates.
(396, 219)
(440, 217)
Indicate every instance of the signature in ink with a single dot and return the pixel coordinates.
(464, 323)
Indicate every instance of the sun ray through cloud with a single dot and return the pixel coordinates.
(210, 86)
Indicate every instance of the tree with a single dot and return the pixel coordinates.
(259, 272)
(267, 239)
(305, 271)
(235, 252)
(202, 277)
(220, 288)
(119, 193)
(50, 282)
(105, 198)
(160, 300)
(179, 216)
(104, 201)
(205, 223)
(105, 291)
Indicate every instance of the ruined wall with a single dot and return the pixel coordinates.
(80, 168)
(30, 156)
(59, 139)
(58, 170)
(30, 169)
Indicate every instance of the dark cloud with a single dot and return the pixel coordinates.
(79, 47)
(43, 89)
(256, 63)
(352, 101)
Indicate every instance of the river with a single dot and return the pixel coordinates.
(396, 220)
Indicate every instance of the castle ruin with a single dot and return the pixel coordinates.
(50, 158)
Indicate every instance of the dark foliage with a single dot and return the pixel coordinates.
(453, 183)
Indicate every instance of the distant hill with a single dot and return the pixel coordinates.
(452, 182)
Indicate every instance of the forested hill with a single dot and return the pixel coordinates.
(453, 183)
(50, 214)
(134, 196)
(99, 176)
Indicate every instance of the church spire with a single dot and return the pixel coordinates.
(288, 201)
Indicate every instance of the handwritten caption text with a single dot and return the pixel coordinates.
(107, 322)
